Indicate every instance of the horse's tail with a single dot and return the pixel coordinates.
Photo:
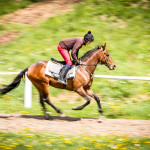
(15, 83)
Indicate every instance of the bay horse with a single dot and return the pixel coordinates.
(81, 84)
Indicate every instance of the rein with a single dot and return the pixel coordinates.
(95, 64)
(91, 65)
(98, 63)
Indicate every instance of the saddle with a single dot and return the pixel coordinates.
(54, 67)
(61, 62)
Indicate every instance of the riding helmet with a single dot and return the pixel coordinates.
(88, 37)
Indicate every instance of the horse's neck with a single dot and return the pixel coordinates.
(92, 62)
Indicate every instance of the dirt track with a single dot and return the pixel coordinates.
(39, 11)
(33, 14)
(75, 126)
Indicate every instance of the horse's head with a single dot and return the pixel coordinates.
(106, 59)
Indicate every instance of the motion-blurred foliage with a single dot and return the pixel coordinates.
(26, 139)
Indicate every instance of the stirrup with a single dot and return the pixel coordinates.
(62, 81)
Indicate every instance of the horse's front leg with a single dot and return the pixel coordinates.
(82, 92)
(93, 95)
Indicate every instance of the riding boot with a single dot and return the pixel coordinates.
(63, 73)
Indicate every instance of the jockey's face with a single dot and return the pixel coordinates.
(87, 43)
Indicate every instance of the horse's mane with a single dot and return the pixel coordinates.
(88, 53)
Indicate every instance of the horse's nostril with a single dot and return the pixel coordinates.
(114, 66)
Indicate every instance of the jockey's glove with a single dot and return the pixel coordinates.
(78, 62)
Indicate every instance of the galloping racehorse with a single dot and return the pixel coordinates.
(81, 84)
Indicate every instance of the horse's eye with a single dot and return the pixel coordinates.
(107, 55)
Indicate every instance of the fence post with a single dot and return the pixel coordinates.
(27, 93)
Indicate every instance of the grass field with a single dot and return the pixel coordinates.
(123, 25)
(27, 139)
(136, 107)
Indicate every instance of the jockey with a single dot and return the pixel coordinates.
(73, 44)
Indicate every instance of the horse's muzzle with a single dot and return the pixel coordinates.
(112, 67)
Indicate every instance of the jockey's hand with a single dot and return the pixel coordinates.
(78, 62)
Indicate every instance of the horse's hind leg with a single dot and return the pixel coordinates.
(45, 95)
(52, 105)
(43, 106)
(43, 89)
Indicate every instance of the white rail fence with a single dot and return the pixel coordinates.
(28, 84)
(122, 77)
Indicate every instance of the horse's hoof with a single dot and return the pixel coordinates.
(62, 115)
(74, 108)
(46, 117)
(101, 119)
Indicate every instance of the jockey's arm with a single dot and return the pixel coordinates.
(75, 51)
(74, 55)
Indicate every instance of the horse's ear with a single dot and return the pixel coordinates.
(104, 46)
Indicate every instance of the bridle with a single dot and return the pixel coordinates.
(107, 62)
(106, 59)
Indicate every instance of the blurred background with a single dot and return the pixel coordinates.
(30, 30)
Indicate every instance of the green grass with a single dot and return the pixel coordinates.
(123, 27)
(129, 46)
(27, 139)
(129, 107)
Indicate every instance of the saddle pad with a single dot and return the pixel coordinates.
(53, 70)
